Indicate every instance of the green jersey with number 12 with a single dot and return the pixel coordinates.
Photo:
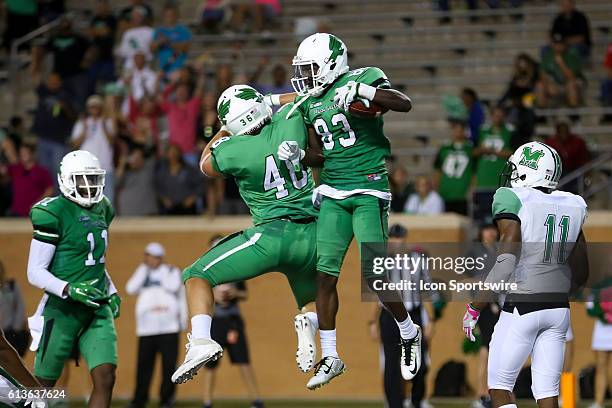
(271, 188)
(550, 225)
(80, 236)
(354, 148)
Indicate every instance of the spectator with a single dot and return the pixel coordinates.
(599, 306)
(30, 181)
(143, 123)
(21, 18)
(183, 113)
(95, 132)
(279, 85)
(606, 84)
(16, 131)
(137, 38)
(560, 75)
(524, 79)
(161, 314)
(53, 120)
(136, 184)
(125, 14)
(71, 60)
(265, 14)
(49, 10)
(12, 314)
(491, 152)
(102, 30)
(425, 200)
(572, 148)
(475, 111)
(178, 185)
(213, 15)
(454, 164)
(523, 119)
(171, 41)
(228, 330)
(573, 27)
(400, 187)
(141, 80)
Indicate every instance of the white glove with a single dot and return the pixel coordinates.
(290, 150)
(346, 94)
(469, 322)
(35, 403)
(352, 91)
(272, 100)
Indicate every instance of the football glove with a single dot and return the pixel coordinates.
(86, 293)
(469, 321)
(114, 301)
(352, 91)
(290, 150)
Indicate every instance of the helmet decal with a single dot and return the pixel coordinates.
(336, 48)
(248, 93)
(531, 158)
(224, 109)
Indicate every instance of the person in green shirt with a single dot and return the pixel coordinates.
(68, 261)
(561, 74)
(491, 152)
(454, 166)
(283, 238)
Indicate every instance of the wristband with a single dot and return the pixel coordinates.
(366, 91)
(272, 100)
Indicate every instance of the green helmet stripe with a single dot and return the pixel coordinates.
(335, 46)
(556, 158)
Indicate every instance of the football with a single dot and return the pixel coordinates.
(359, 109)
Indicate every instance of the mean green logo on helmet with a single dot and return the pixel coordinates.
(533, 164)
(242, 111)
(320, 59)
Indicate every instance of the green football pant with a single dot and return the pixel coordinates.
(70, 326)
(363, 216)
(277, 246)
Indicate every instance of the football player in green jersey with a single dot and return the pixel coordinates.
(67, 261)
(354, 192)
(283, 238)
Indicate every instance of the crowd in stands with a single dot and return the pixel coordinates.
(126, 90)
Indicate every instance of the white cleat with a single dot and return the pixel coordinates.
(326, 370)
(411, 356)
(199, 352)
(307, 345)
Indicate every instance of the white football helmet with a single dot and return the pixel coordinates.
(242, 111)
(81, 179)
(320, 60)
(533, 164)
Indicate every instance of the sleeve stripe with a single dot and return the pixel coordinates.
(46, 234)
(507, 216)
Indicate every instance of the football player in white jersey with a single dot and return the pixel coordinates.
(542, 251)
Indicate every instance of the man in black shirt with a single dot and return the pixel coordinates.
(573, 26)
(70, 60)
(102, 30)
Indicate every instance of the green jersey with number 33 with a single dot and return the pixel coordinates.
(354, 148)
(271, 188)
(80, 235)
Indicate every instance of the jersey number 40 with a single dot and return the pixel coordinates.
(274, 180)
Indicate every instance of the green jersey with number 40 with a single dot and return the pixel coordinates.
(80, 236)
(271, 188)
(550, 225)
(354, 148)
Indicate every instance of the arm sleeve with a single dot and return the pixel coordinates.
(41, 254)
(138, 279)
(506, 205)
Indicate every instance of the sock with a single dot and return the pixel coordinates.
(328, 343)
(509, 406)
(200, 326)
(408, 330)
(314, 320)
